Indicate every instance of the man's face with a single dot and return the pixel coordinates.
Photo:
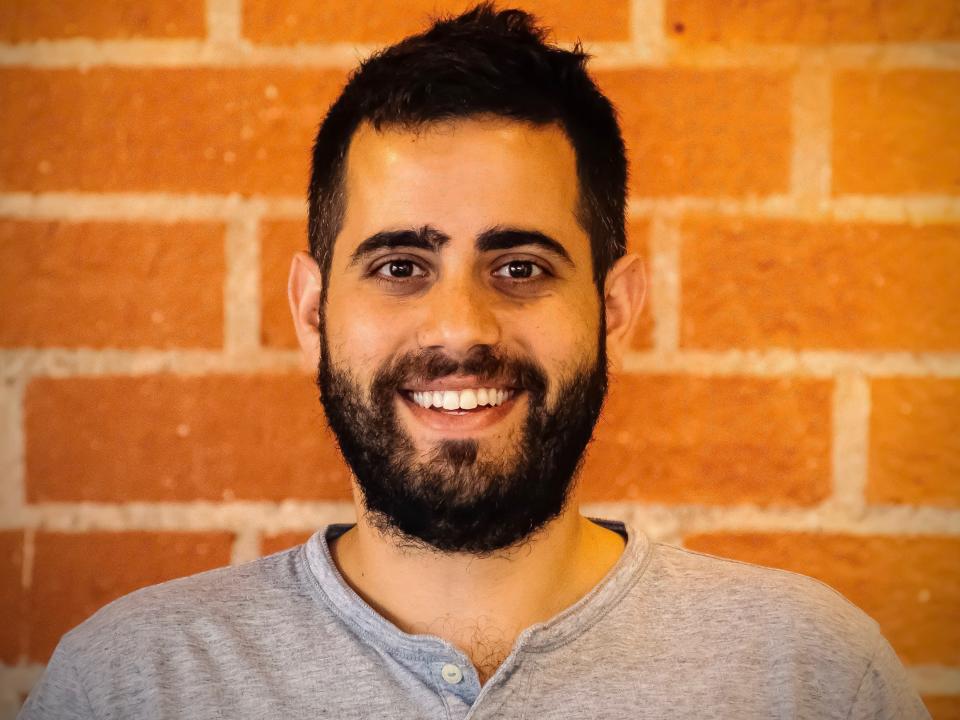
(462, 365)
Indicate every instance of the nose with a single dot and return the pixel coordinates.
(459, 315)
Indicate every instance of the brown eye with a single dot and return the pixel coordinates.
(399, 269)
(519, 270)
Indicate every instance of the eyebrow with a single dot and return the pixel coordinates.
(505, 238)
(423, 238)
(430, 239)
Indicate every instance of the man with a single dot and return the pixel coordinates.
(466, 290)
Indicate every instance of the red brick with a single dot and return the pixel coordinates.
(115, 284)
(165, 438)
(25, 20)
(910, 585)
(703, 132)
(896, 132)
(943, 707)
(763, 284)
(12, 601)
(75, 574)
(280, 239)
(714, 440)
(245, 130)
(795, 21)
(914, 445)
(275, 543)
(367, 21)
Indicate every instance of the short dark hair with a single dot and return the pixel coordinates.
(485, 62)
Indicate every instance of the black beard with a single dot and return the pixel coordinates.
(455, 501)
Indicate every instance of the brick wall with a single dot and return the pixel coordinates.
(793, 397)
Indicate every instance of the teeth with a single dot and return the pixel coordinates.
(460, 400)
(451, 400)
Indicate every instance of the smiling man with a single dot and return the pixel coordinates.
(466, 291)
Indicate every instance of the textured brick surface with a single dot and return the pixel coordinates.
(233, 130)
(12, 600)
(281, 541)
(280, 239)
(896, 132)
(703, 132)
(25, 20)
(943, 707)
(761, 284)
(910, 585)
(723, 440)
(797, 21)
(75, 574)
(367, 21)
(914, 443)
(111, 284)
(117, 439)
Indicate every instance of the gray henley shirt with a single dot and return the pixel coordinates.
(668, 633)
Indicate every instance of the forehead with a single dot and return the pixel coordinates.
(462, 177)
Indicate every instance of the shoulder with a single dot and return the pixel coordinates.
(765, 602)
(199, 606)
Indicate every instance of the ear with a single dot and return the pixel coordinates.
(624, 292)
(303, 292)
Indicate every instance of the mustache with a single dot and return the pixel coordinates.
(487, 363)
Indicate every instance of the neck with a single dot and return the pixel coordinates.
(472, 601)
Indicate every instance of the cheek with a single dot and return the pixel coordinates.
(361, 336)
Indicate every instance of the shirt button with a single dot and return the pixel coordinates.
(451, 673)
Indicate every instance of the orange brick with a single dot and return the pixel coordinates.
(703, 132)
(164, 438)
(715, 440)
(795, 21)
(12, 600)
(111, 284)
(943, 707)
(75, 574)
(910, 585)
(275, 543)
(762, 284)
(914, 445)
(280, 239)
(896, 132)
(367, 21)
(24, 20)
(243, 130)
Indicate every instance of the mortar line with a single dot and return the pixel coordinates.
(241, 289)
(12, 448)
(29, 556)
(648, 43)
(246, 546)
(811, 116)
(172, 207)
(935, 679)
(665, 291)
(226, 48)
(23, 364)
(850, 442)
(656, 518)
(224, 21)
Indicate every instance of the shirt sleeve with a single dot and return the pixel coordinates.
(886, 692)
(59, 694)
